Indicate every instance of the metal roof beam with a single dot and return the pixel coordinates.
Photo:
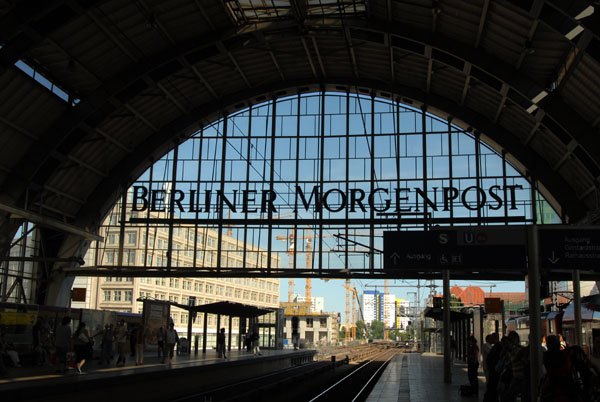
(308, 57)
(170, 96)
(204, 15)
(112, 36)
(570, 148)
(316, 47)
(482, 19)
(467, 84)
(350, 48)
(429, 68)
(63, 194)
(538, 122)
(571, 60)
(49, 222)
(109, 138)
(504, 93)
(236, 66)
(261, 38)
(198, 75)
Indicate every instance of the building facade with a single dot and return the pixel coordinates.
(379, 307)
(147, 247)
(317, 303)
(314, 328)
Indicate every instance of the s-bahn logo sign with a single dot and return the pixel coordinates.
(380, 200)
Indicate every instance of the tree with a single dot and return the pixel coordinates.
(376, 330)
(361, 330)
(455, 303)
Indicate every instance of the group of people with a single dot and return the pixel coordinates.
(166, 341)
(251, 341)
(111, 337)
(82, 342)
(568, 375)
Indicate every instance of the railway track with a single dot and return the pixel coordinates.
(348, 377)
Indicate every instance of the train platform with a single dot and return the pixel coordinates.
(44, 383)
(413, 377)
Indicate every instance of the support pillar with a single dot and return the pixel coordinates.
(577, 339)
(204, 330)
(535, 332)
(446, 329)
(229, 338)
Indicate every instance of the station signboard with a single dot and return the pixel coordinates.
(473, 247)
(569, 247)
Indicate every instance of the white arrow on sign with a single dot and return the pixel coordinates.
(554, 259)
(394, 257)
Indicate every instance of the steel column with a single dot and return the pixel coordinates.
(446, 328)
(535, 333)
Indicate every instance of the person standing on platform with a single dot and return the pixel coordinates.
(248, 341)
(140, 342)
(172, 339)
(62, 343)
(160, 344)
(491, 362)
(83, 346)
(254, 338)
(121, 338)
(519, 363)
(107, 344)
(485, 351)
(132, 338)
(473, 364)
(221, 343)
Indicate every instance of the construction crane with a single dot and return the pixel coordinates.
(308, 250)
(353, 290)
(349, 318)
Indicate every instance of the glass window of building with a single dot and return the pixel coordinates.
(107, 295)
(131, 237)
(110, 257)
(117, 295)
(128, 295)
(309, 323)
(130, 257)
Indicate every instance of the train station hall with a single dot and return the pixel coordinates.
(303, 200)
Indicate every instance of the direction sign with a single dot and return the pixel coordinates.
(569, 247)
(473, 247)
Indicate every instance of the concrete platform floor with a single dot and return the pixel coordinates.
(413, 377)
(19, 377)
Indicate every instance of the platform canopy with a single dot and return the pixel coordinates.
(227, 308)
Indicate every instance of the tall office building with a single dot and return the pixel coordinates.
(379, 307)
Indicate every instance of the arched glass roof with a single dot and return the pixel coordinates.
(307, 184)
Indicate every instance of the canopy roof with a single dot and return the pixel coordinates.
(93, 92)
(226, 308)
